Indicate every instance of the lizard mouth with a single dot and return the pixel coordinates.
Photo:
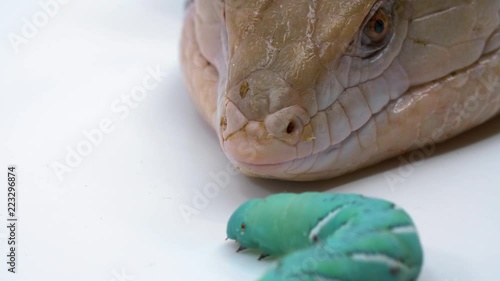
(278, 159)
(292, 168)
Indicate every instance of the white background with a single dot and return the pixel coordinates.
(118, 211)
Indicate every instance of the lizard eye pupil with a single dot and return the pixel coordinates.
(379, 26)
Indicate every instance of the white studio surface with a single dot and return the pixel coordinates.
(117, 214)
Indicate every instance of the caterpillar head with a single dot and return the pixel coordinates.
(238, 227)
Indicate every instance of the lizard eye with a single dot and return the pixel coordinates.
(376, 32)
(377, 28)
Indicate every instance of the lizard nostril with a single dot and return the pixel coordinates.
(290, 128)
(287, 124)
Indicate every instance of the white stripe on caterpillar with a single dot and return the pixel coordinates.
(404, 229)
(313, 235)
(321, 278)
(379, 258)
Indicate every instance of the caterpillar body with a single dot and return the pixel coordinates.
(334, 237)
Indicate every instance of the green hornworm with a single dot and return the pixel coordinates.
(335, 237)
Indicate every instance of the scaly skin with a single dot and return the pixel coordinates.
(283, 83)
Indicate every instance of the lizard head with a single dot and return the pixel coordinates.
(293, 95)
(310, 89)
